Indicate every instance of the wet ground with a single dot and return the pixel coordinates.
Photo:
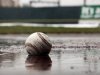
(71, 54)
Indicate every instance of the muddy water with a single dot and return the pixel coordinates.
(71, 54)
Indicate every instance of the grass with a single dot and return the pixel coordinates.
(28, 30)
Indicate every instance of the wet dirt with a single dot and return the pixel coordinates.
(73, 54)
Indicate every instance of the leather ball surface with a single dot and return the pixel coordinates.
(38, 43)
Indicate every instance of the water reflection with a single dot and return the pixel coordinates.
(91, 59)
(7, 59)
(75, 55)
(38, 63)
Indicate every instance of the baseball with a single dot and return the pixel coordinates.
(38, 43)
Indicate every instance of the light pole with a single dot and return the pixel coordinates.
(85, 2)
(13, 3)
(58, 3)
(0, 3)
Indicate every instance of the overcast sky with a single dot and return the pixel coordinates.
(66, 2)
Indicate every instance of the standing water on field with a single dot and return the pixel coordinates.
(75, 54)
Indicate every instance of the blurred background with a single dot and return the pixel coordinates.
(50, 13)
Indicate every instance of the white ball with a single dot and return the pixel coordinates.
(38, 44)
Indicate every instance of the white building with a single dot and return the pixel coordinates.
(50, 3)
(9, 3)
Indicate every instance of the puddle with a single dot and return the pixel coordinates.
(70, 54)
